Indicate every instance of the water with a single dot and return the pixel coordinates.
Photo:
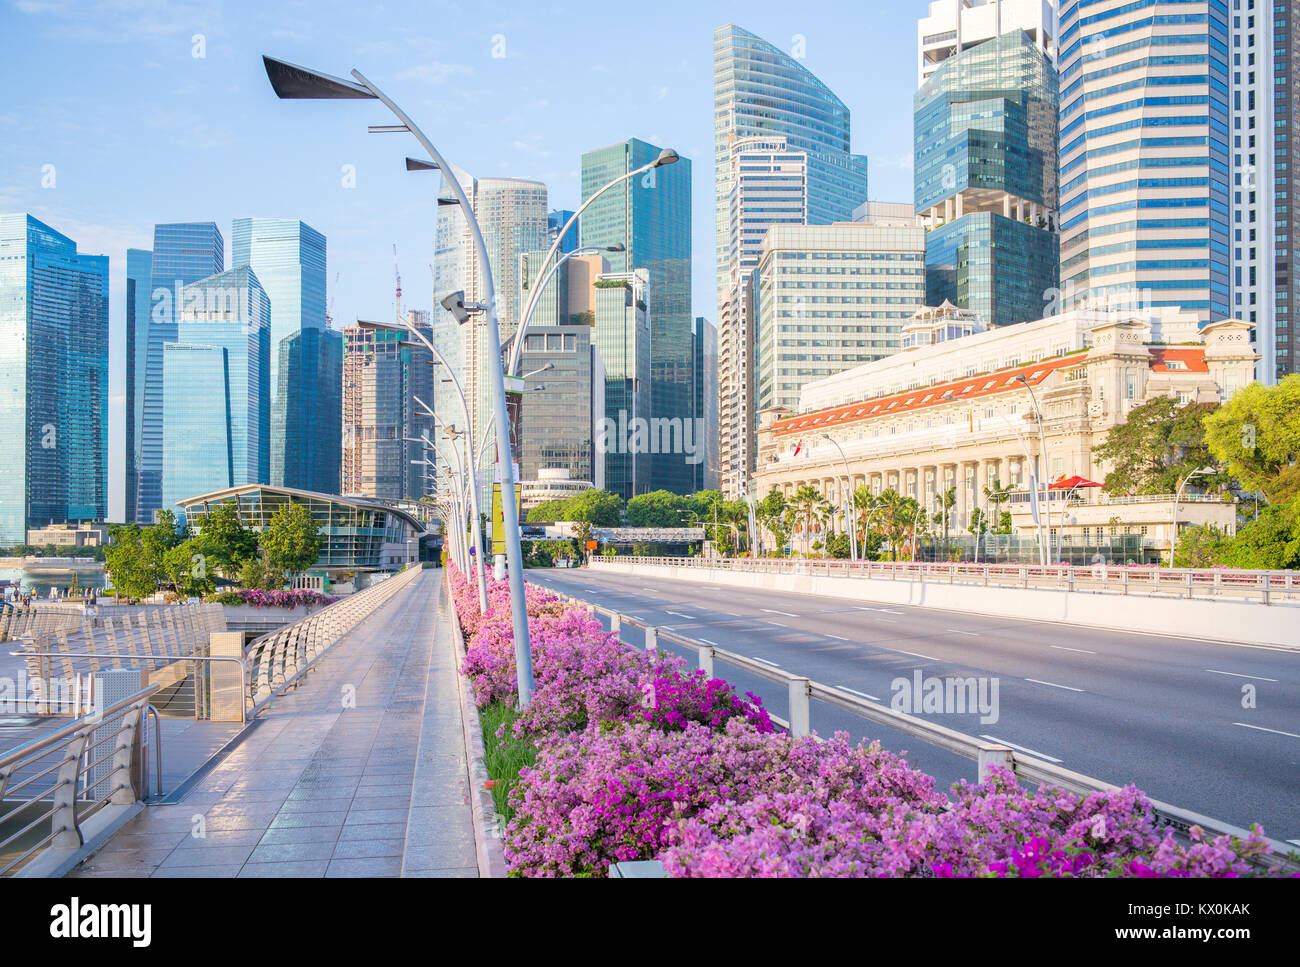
(38, 583)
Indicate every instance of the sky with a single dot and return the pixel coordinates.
(119, 114)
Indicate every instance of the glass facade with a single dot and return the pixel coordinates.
(651, 216)
(1144, 155)
(53, 379)
(355, 532)
(556, 219)
(183, 253)
(985, 139)
(760, 91)
(311, 382)
(139, 276)
(558, 420)
(622, 336)
(216, 376)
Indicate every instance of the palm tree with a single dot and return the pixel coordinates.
(897, 518)
(865, 504)
(807, 501)
(997, 495)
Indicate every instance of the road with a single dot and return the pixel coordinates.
(1166, 714)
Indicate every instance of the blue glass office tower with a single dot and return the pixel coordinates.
(216, 377)
(53, 379)
(139, 277)
(986, 179)
(651, 216)
(183, 253)
(1144, 152)
(288, 256)
(556, 219)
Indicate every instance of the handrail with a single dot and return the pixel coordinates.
(75, 751)
(802, 691)
(1269, 587)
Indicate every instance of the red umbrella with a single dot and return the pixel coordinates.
(1070, 483)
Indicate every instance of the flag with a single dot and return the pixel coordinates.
(798, 448)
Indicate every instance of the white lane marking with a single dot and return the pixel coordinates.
(862, 694)
(1260, 728)
(954, 631)
(734, 615)
(884, 610)
(654, 590)
(1027, 751)
(1082, 651)
(1261, 678)
(837, 637)
(915, 655)
(1054, 685)
(596, 591)
(713, 643)
(680, 615)
(770, 611)
(766, 662)
(1294, 842)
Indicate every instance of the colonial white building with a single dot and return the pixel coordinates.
(964, 412)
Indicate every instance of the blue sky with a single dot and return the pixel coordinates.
(140, 130)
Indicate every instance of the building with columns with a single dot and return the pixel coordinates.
(963, 413)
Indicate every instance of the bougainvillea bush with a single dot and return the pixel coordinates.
(639, 758)
(256, 598)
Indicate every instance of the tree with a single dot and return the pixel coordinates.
(186, 567)
(1270, 543)
(771, 512)
(1160, 443)
(292, 538)
(581, 535)
(660, 508)
(600, 508)
(136, 569)
(1200, 546)
(807, 501)
(1256, 434)
(228, 543)
(547, 512)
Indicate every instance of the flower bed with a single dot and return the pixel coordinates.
(638, 758)
(297, 597)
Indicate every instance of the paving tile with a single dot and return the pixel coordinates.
(332, 817)
(291, 852)
(361, 848)
(373, 830)
(208, 856)
(373, 866)
(301, 868)
(301, 834)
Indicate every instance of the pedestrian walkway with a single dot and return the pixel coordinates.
(359, 771)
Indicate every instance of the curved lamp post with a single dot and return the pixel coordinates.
(1173, 537)
(1042, 445)
(850, 515)
(666, 157)
(291, 82)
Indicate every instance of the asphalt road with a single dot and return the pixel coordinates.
(1166, 714)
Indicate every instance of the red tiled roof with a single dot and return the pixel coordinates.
(974, 387)
(1192, 358)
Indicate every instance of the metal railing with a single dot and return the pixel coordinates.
(67, 776)
(802, 692)
(17, 620)
(275, 661)
(1267, 587)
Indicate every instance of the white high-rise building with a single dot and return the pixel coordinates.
(511, 213)
(956, 25)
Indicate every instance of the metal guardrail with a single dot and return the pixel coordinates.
(73, 772)
(1267, 587)
(277, 660)
(17, 620)
(803, 692)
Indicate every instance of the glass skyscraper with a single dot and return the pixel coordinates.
(139, 277)
(53, 379)
(309, 403)
(986, 179)
(216, 413)
(288, 256)
(183, 253)
(623, 338)
(760, 91)
(1144, 154)
(651, 216)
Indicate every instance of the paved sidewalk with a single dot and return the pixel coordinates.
(360, 771)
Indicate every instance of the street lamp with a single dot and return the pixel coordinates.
(850, 518)
(666, 157)
(1042, 445)
(534, 297)
(1173, 537)
(290, 81)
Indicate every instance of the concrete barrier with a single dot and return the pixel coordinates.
(1235, 621)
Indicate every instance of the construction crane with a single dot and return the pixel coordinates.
(397, 305)
(329, 312)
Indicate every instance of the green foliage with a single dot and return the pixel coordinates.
(837, 545)
(1272, 542)
(258, 574)
(292, 539)
(1200, 546)
(186, 567)
(661, 508)
(598, 507)
(136, 566)
(503, 754)
(229, 544)
(1159, 444)
(774, 514)
(1257, 435)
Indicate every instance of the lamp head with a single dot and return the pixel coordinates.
(666, 157)
(454, 302)
(291, 82)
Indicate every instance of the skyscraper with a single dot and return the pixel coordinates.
(384, 368)
(183, 253)
(623, 338)
(53, 379)
(986, 179)
(556, 219)
(761, 91)
(953, 26)
(139, 277)
(1144, 155)
(216, 376)
(512, 215)
(289, 257)
(650, 216)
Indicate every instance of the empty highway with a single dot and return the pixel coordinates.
(1171, 715)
